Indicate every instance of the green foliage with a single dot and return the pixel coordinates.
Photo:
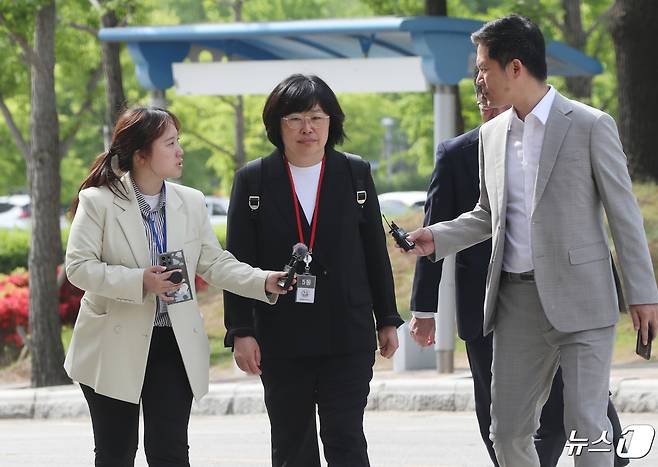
(397, 7)
(220, 232)
(14, 248)
(208, 162)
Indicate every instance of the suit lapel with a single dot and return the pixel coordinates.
(466, 155)
(176, 219)
(276, 178)
(498, 145)
(557, 126)
(130, 220)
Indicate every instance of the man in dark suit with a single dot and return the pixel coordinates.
(454, 189)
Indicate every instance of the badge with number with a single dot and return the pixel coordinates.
(305, 288)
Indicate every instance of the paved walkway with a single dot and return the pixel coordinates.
(395, 439)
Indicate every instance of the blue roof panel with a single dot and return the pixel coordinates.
(443, 43)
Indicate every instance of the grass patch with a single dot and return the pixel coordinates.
(67, 334)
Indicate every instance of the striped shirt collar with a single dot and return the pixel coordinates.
(143, 205)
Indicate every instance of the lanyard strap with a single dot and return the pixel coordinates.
(161, 247)
(315, 211)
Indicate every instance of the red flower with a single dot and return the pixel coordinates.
(200, 284)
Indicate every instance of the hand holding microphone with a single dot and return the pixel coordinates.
(299, 252)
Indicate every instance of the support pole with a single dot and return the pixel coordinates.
(445, 127)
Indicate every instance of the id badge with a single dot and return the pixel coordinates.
(305, 288)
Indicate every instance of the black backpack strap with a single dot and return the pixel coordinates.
(254, 175)
(358, 170)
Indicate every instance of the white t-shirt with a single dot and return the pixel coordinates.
(306, 186)
(151, 200)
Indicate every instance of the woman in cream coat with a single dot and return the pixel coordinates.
(130, 344)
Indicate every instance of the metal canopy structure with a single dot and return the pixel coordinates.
(441, 44)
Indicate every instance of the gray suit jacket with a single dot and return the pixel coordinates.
(582, 172)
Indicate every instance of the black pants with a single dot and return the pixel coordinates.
(339, 385)
(550, 437)
(166, 402)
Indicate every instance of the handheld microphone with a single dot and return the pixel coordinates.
(399, 235)
(299, 252)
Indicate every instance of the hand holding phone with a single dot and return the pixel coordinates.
(175, 261)
(642, 350)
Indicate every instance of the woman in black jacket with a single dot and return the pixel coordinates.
(315, 346)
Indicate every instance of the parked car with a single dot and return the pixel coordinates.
(217, 209)
(398, 202)
(16, 212)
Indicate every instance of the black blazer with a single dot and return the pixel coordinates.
(454, 189)
(350, 261)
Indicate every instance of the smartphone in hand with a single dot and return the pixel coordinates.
(642, 350)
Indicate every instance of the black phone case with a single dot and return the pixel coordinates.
(176, 260)
(642, 350)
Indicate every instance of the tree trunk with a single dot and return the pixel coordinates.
(44, 181)
(631, 27)
(578, 86)
(116, 98)
(436, 7)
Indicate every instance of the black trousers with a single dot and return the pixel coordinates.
(166, 401)
(339, 386)
(550, 437)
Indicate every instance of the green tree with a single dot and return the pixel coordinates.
(42, 156)
(52, 131)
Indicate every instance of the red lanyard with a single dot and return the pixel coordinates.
(315, 211)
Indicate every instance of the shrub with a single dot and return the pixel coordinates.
(14, 248)
(14, 296)
(14, 307)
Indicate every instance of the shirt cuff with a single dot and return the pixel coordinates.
(423, 314)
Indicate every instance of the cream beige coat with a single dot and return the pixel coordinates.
(106, 255)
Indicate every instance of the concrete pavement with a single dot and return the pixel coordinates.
(395, 439)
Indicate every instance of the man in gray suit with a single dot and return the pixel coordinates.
(549, 168)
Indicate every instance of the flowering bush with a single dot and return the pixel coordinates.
(200, 284)
(69, 301)
(14, 305)
(13, 313)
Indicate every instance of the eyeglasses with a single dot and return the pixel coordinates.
(297, 121)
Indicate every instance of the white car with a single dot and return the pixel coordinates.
(398, 202)
(217, 209)
(16, 213)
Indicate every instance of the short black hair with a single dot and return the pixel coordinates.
(513, 37)
(299, 93)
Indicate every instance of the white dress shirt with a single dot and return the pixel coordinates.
(524, 143)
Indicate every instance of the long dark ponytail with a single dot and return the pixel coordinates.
(135, 130)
